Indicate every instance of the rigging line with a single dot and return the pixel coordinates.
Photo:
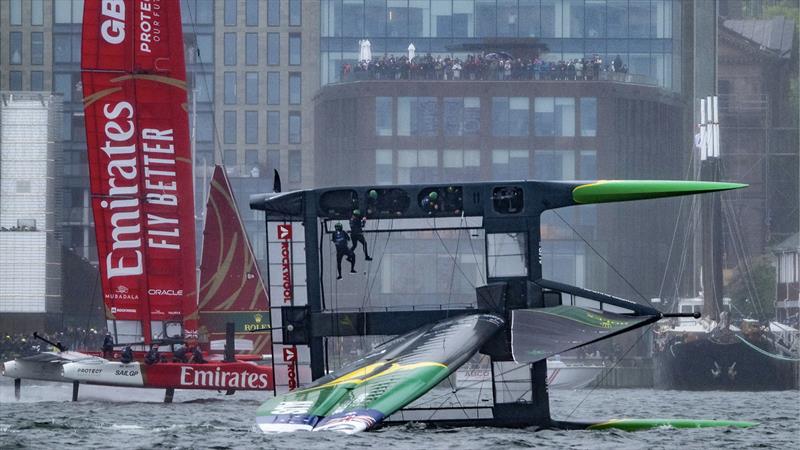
(455, 395)
(378, 267)
(368, 263)
(452, 273)
(604, 259)
(690, 232)
(94, 297)
(610, 369)
(472, 249)
(455, 262)
(674, 235)
(218, 151)
(739, 248)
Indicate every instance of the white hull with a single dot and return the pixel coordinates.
(46, 366)
(105, 373)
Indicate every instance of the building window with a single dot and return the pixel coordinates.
(417, 116)
(374, 18)
(510, 116)
(295, 86)
(384, 167)
(251, 127)
(204, 83)
(37, 12)
(383, 116)
(229, 49)
(62, 84)
(230, 13)
(588, 116)
(507, 18)
(199, 12)
(273, 49)
(554, 116)
(510, 164)
(295, 13)
(587, 165)
(295, 166)
(273, 88)
(461, 165)
(205, 127)
(295, 57)
(529, 25)
(295, 127)
(595, 24)
(15, 12)
(15, 80)
(37, 48)
(462, 116)
(230, 88)
(441, 19)
(251, 88)
(617, 17)
(274, 13)
(229, 159)
(273, 127)
(554, 164)
(251, 49)
(252, 166)
(68, 11)
(273, 160)
(417, 166)
(485, 18)
(37, 80)
(229, 127)
(15, 47)
(251, 13)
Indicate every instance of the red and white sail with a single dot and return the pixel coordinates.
(137, 133)
(231, 286)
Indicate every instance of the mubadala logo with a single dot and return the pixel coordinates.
(122, 289)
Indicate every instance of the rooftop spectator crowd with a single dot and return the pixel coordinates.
(489, 67)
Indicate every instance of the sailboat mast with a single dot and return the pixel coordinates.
(711, 207)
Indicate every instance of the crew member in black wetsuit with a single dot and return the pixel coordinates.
(357, 222)
(179, 355)
(127, 355)
(108, 346)
(197, 355)
(152, 356)
(340, 238)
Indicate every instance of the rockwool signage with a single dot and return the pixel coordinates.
(284, 232)
(290, 358)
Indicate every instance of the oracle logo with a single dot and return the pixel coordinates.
(113, 29)
(167, 292)
(219, 378)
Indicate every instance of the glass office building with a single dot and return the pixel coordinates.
(646, 34)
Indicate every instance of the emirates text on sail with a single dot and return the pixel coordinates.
(159, 189)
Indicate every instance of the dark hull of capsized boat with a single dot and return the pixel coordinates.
(703, 363)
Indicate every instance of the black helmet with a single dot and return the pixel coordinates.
(338, 226)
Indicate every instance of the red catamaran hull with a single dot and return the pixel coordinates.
(240, 376)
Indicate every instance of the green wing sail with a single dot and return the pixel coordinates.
(361, 395)
(624, 190)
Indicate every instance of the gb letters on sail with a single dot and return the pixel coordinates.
(134, 87)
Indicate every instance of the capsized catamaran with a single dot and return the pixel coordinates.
(140, 165)
(518, 319)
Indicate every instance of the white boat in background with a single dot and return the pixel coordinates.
(561, 375)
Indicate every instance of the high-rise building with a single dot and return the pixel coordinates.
(30, 266)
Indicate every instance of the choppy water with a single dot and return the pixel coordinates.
(134, 419)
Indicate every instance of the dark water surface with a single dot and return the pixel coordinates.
(134, 419)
